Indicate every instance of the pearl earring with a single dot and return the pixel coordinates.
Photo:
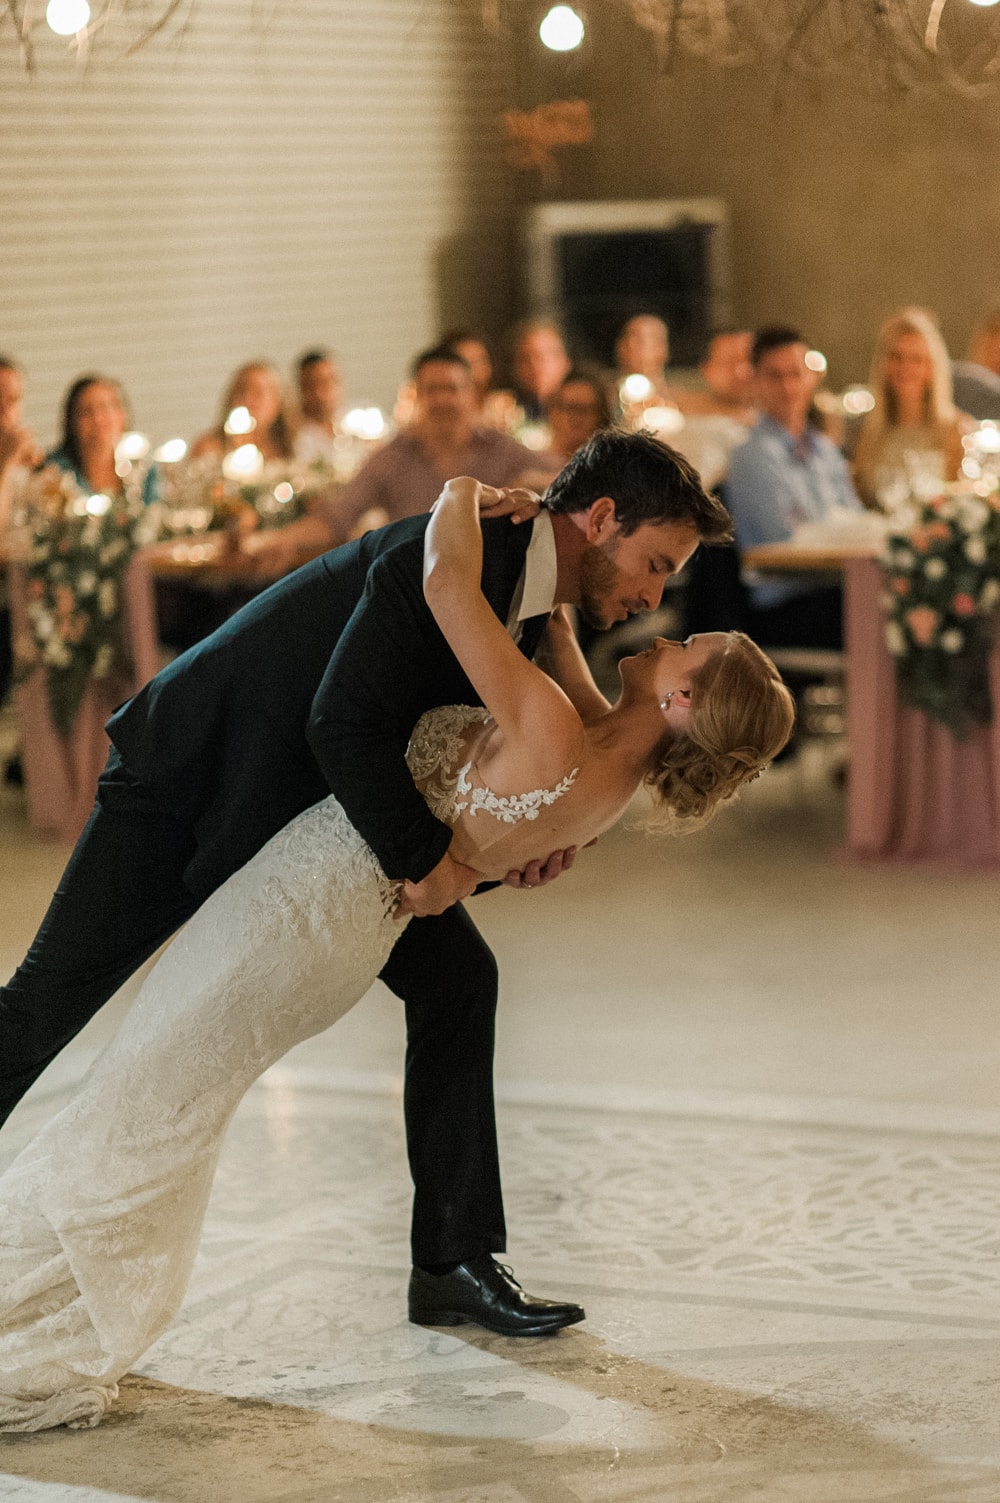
(665, 701)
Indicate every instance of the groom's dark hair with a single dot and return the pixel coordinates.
(648, 481)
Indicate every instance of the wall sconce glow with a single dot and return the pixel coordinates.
(98, 505)
(562, 29)
(67, 17)
(984, 3)
(239, 421)
(244, 463)
(635, 388)
(171, 452)
(363, 422)
(283, 492)
(815, 361)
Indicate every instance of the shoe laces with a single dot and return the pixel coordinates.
(508, 1272)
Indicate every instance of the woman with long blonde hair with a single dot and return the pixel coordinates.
(914, 426)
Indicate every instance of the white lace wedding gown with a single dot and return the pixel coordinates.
(101, 1213)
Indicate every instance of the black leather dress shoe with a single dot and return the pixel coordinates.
(486, 1294)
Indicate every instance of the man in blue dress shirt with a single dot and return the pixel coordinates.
(787, 473)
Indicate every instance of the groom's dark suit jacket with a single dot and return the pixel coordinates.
(313, 687)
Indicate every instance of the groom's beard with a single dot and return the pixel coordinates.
(598, 579)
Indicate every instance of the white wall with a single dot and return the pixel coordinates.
(319, 171)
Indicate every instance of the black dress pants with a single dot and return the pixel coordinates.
(122, 894)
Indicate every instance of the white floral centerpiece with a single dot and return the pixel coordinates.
(941, 564)
(208, 492)
(79, 547)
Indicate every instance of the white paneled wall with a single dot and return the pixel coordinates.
(269, 178)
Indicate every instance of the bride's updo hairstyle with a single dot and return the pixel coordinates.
(741, 716)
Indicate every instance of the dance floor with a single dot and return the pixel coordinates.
(748, 1117)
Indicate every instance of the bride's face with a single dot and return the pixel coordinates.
(666, 668)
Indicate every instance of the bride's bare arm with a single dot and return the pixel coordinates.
(521, 698)
(565, 662)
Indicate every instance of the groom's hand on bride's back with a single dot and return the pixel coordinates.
(448, 883)
(538, 873)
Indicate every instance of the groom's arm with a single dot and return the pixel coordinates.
(391, 663)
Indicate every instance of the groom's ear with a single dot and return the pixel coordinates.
(601, 521)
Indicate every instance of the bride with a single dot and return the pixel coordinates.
(101, 1213)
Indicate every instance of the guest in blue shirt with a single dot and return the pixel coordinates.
(784, 474)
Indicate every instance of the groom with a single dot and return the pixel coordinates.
(315, 687)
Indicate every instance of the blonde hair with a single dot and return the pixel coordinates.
(280, 433)
(741, 716)
(939, 405)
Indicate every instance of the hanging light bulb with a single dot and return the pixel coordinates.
(562, 29)
(67, 17)
(984, 2)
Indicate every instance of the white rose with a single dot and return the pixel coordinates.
(107, 599)
(903, 558)
(87, 583)
(975, 548)
(989, 595)
(43, 625)
(935, 568)
(952, 640)
(895, 638)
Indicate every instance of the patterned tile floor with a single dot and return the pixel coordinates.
(748, 1118)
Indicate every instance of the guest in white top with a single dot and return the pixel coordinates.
(321, 396)
(718, 415)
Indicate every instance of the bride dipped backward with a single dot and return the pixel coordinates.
(694, 719)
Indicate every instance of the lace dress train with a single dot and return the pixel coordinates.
(101, 1213)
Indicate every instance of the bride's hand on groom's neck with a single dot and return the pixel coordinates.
(448, 883)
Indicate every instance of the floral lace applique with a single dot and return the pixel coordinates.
(433, 755)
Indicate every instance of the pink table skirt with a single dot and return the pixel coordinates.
(915, 793)
(61, 776)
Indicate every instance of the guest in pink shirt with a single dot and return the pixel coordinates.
(443, 439)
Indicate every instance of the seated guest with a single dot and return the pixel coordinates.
(19, 453)
(321, 394)
(580, 406)
(473, 350)
(493, 406)
(443, 439)
(95, 417)
(643, 349)
(914, 426)
(257, 387)
(784, 474)
(976, 379)
(719, 415)
(540, 362)
(726, 372)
